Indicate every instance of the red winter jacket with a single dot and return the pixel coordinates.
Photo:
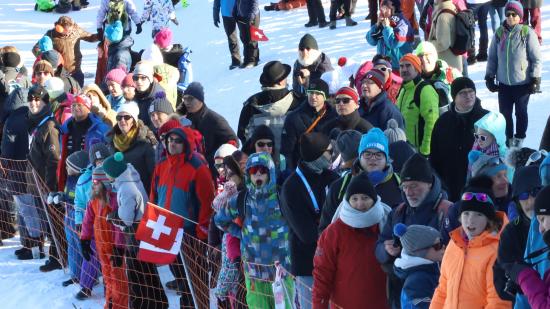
(346, 272)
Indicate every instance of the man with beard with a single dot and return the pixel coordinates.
(310, 65)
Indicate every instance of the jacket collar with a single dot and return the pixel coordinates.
(458, 237)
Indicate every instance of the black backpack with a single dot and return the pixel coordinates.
(465, 35)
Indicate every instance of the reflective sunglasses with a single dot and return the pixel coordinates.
(263, 144)
(535, 156)
(342, 100)
(513, 14)
(175, 140)
(437, 246)
(258, 168)
(481, 137)
(125, 117)
(480, 197)
(525, 195)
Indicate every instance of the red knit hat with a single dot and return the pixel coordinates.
(413, 60)
(349, 92)
(377, 77)
(84, 100)
(116, 75)
(128, 81)
(163, 39)
(169, 125)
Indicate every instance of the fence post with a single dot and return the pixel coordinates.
(188, 278)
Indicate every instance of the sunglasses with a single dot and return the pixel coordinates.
(33, 98)
(139, 77)
(481, 137)
(480, 197)
(525, 195)
(125, 117)
(376, 155)
(175, 140)
(218, 166)
(438, 246)
(511, 14)
(342, 100)
(264, 144)
(302, 49)
(535, 156)
(258, 168)
(383, 69)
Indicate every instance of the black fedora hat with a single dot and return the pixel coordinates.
(274, 72)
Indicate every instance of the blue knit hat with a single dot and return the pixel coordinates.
(374, 139)
(45, 44)
(515, 6)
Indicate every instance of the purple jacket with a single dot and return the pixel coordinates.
(536, 290)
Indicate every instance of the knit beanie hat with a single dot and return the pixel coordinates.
(347, 143)
(394, 133)
(479, 184)
(374, 139)
(163, 38)
(377, 77)
(131, 108)
(350, 92)
(98, 151)
(313, 145)
(168, 126)
(425, 47)
(84, 101)
(42, 66)
(98, 175)
(417, 168)
(416, 240)
(45, 43)
(542, 202)
(224, 151)
(319, 86)
(153, 54)
(52, 57)
(78, 160)
(115, 165)
(145, 68)
(11, 59)
(55, 87)
(413, 60)
(38, 91)
(161, 104)
(482, 164)
(361, 184)
(515, 6)
(308, 41)
(526, 179)
(116, 75)
(400, 152)
(461, 83)
(195, 90)
(114, 31)
(128, 81)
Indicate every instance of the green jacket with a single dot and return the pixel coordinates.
(419, 118)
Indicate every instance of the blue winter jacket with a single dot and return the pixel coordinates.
(226, 7)
(116, 102)
(393, 41)
(380, 110)
(83, 193)
(420, 277)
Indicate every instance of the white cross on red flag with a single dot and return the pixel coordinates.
(160, 233)
(257, 34)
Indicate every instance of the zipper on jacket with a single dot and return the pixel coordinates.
(508, 57)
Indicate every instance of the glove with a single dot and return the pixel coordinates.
(535, 85)
(490, 83)
(514, 269)
(138, 28)
(116, 257)
(49, 199)
(175, 21)
(100, 34)
(216, 19)
(86, 249)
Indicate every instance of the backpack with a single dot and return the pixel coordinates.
(523, 34)
(186, 69)
(116, 10)
(465, 34)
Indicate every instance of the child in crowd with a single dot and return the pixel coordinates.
(114, 80)
(490, 136)
(466, 279)
(128, 87)
(338, 279)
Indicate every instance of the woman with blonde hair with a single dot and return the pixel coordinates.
(100, 105)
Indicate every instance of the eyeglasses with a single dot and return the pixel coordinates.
(535, 156)
(412, 186)
(139, 77)
(342, 100)
(525, 195)
(437, 246)
(264, 144)
(376, 155)
(175, 140)
(513, 14)
(125, 117)
(258, 168)
(480, 197)
(481, 137)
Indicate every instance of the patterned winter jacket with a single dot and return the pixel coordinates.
(158, 11)
(393, 41)
(264, 233)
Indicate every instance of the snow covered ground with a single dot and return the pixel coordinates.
(22, 285)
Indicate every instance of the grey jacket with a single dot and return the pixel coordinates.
(131, 196)
(514, 57)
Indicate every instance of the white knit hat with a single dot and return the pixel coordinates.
(225, 150)
(153, 54)
(55, 87)
(145, 68)
(129, 107)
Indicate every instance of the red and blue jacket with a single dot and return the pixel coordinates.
(393, 41)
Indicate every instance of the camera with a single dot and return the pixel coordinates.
(512, 288)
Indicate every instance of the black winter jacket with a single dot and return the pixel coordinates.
(452, 140)
(15, 135)
(173, 55)
(144, 100)
(303, 221)
(352, 121)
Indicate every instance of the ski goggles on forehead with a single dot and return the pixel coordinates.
(480, 197)
(536, 156)
(525, 195)
(258, 168)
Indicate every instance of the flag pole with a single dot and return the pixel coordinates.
(187, 276)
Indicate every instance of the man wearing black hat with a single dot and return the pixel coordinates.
(302, 197)
(310, 65)
(425, 204)
(271, 105)
(306, 118)
(453, 136)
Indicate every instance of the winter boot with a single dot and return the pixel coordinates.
(76, 5)
(63, 7)
(481, 57)
(69, 282)
(332, 25)
(84, 3)
(350, 22)
(21, 251)
(51, 264)
(311, 24)
(323, 24)
(83, 294)
(235, 64)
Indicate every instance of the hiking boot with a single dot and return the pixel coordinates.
(481, 57)
(471, 60)
(332, 25)
(311, 24)
(84, 3)
(83, 294)
(323, 24)
(22, 250)
(50, 265)
(350, 22)
(76, 7)
(234, 65)
(69, 282)
(248, 65)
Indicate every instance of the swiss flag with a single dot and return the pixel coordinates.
(257, 34)
(160, 233)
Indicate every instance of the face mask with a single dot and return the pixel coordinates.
(319, 165)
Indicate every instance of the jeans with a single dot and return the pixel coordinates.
(481, 11)
(497, 17)
(304, 285)
(508, 96)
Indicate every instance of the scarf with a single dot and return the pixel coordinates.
(361, 219)
(319, 165)
(123, 142)
(491, 150)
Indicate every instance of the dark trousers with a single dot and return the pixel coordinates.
(518, 96)
(481, 12)
(230, 26)
(78, 76)
(144, 284)
(250, 48)
(315, 11)
(335, 5)
(373, 11)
